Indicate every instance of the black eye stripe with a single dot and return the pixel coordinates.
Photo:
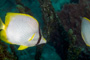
(39, 37)
(1, 29)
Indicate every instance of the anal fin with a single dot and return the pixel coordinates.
(21, 47)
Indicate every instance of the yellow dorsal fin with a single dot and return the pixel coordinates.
(86, 19)
(21, 47)
(2, 26)
(32, 37)
(8, 18)
(10, 15)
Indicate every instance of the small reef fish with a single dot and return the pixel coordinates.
(21, 29)
(85, 30)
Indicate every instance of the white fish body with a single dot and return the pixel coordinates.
(85, 30)
(23, 30)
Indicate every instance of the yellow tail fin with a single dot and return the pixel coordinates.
(2, 26)
(3, 37)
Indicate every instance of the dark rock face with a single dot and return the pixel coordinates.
(70, 16)
(74, 1)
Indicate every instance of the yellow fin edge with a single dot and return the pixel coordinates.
(21, 47)
(86, 19)
(84, 39)
(9, 15)
(88, 45)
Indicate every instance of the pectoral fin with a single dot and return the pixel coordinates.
(21, 47)
(32, 37)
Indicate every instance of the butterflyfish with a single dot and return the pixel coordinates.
(21, 29)
(85, 30)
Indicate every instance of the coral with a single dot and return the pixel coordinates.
(73, 51)
(53, 30)
(70, 18)
(84, 55)
(4, 54)
(22, 8)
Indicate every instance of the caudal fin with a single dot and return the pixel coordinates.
(2, 26)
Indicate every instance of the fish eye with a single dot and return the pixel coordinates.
(1, 29)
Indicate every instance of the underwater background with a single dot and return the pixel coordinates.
(60, 24)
